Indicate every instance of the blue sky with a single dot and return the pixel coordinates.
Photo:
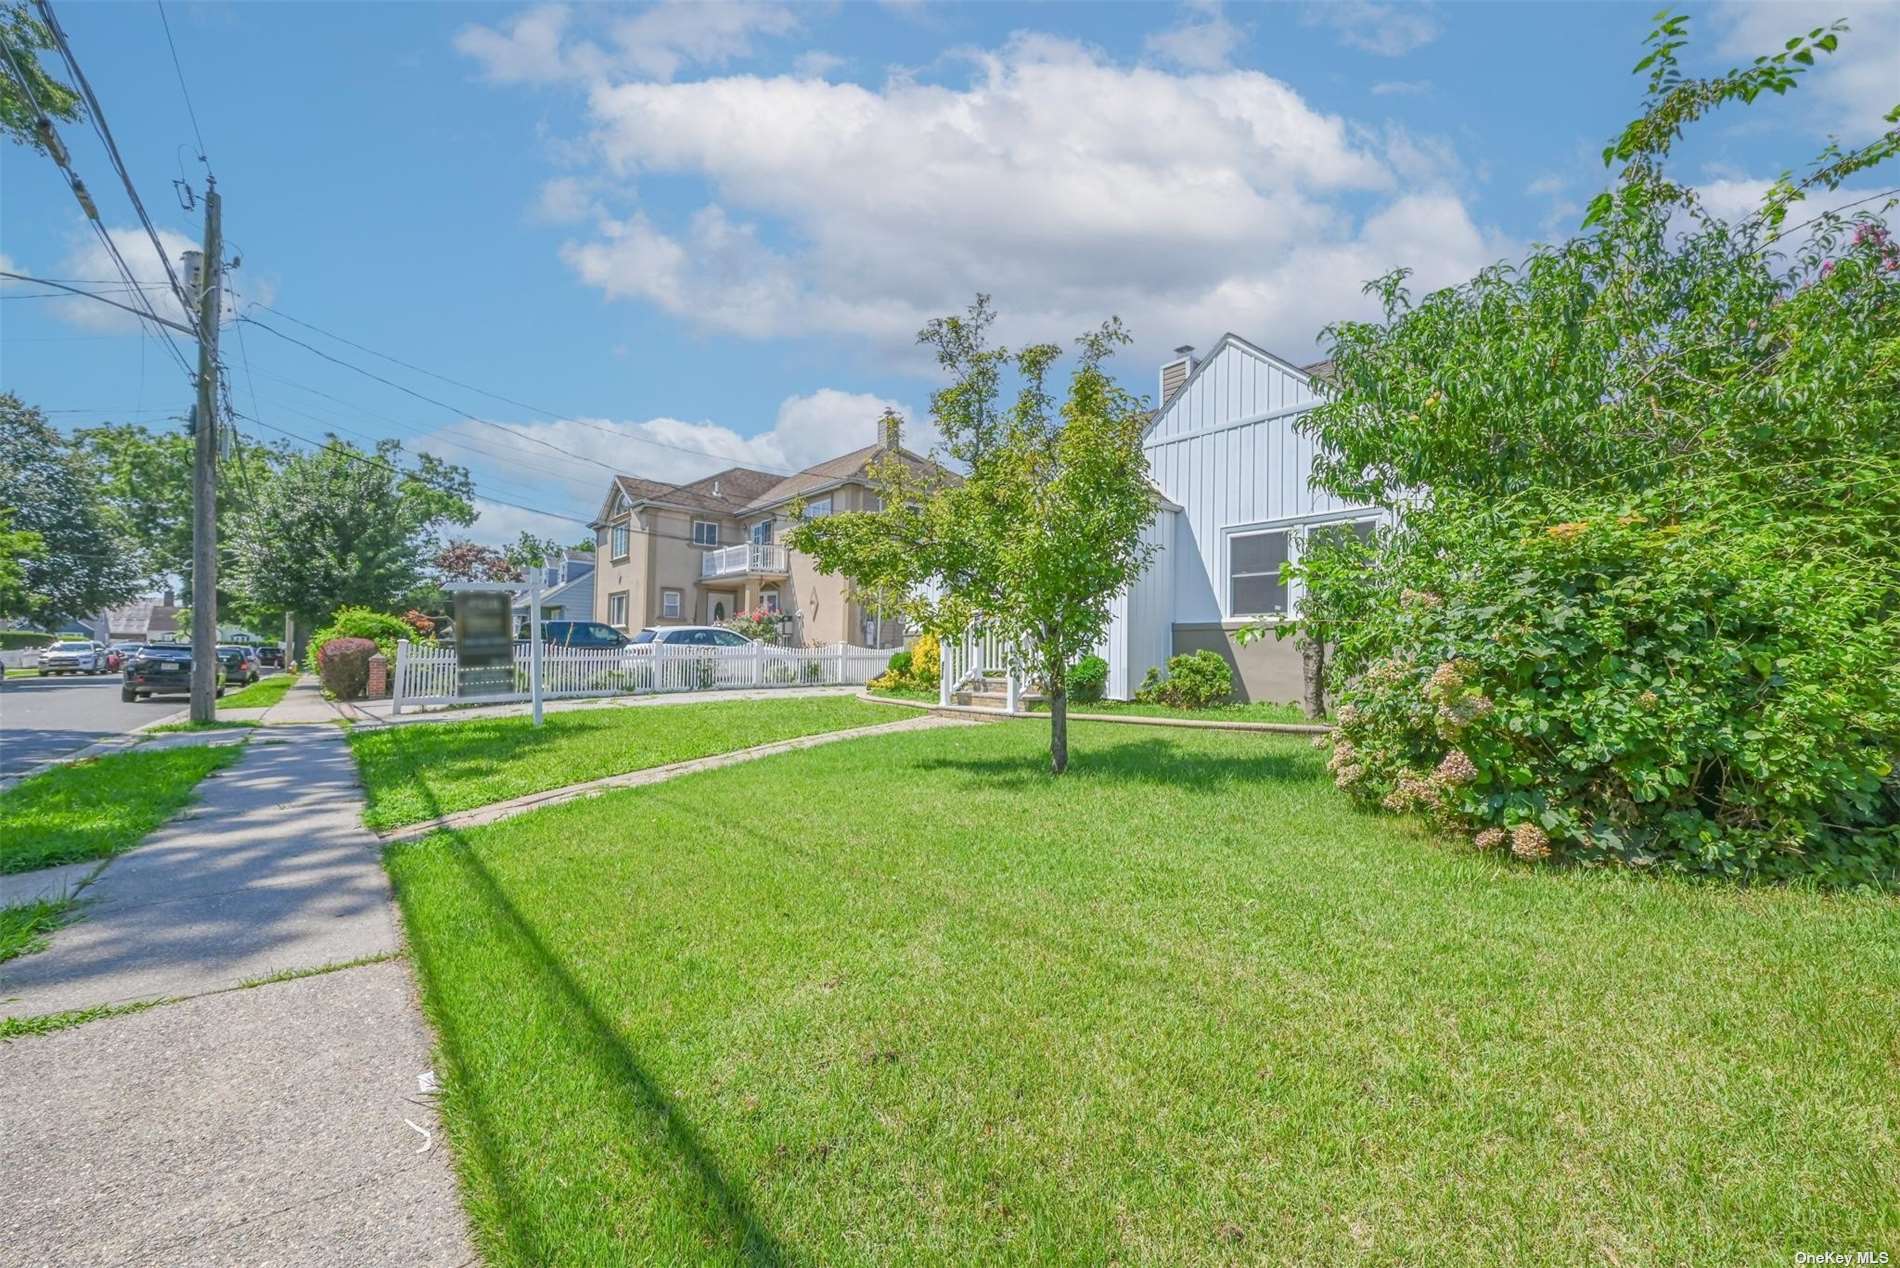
(687, 235)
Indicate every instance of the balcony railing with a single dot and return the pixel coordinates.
(737, 560)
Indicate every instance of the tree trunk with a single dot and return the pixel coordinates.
(1313, 674)
(1058, 728)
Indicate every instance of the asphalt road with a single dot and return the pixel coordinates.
(46, 717)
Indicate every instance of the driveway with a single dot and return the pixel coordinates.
(44, 718)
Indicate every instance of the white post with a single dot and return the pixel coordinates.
(1013, 700)
(402, 664)
(758, 664)
(534, 645)
(946, 657)
(842, 671)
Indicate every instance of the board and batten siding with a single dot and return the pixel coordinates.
(1141, 620)
(1226, 449)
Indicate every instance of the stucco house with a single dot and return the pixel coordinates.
(702, 552)
(1236, 504)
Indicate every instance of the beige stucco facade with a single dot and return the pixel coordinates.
(652, 561)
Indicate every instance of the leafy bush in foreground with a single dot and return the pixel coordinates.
(343, 666)
(1196, 680)
(1689, 696)
(379, 628)
(1088, 679)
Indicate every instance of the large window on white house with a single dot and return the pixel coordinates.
(1254, 587)
(1320, 533)
(622, 541)
(617, 610)
(705, 532)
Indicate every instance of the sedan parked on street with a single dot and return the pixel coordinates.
(75, 656)
(271, 654)
(159, 671)
(241, 665)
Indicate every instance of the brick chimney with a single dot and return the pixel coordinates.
(890, 430)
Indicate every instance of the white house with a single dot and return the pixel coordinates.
(1238, 503)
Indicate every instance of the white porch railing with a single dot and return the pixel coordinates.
(979, 654)
(427, 674)
(750, 557)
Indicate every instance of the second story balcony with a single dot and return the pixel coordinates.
(737, 561)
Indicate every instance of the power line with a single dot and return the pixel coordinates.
(146, 313)
(96, 115)
(562, 418)
(56, 150)
(180, 70)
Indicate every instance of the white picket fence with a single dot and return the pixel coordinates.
(20, 657)
(427, 674)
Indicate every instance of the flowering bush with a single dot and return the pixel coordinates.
(1706, 696)
(760, 624)
(380, 628)
(419, 621)
(916, 669)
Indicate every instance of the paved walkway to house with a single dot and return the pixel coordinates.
(498, 810)
(236, 1126)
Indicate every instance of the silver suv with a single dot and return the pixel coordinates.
(74, 656)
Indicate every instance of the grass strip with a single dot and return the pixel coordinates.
(24, 927)
(99, 807)
(175, 728)
(261, 694)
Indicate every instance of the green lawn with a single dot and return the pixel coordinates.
(907, 1000)
(1257, 711)
(261, 694)
(96, 808)
(24, 926)
(419, 771)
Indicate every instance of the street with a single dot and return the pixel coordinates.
(41, 718)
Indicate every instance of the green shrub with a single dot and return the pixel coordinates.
(1088, 679)
(899, 665)
(1196, 680)
(19, 640)
(379, 628)
(343, 666)
(1712, 696)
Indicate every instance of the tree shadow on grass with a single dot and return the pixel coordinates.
(647, 1112)
(1154, 760)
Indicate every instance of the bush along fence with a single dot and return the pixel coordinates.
(427, 675)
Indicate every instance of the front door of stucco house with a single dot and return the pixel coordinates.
(720, 608)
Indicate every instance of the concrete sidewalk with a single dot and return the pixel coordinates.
(261, 1125)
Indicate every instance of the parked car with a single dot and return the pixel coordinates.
(271, 654)
(597, 634)
(161, 671)
(74, 656)
(689, 636)
(240, 664)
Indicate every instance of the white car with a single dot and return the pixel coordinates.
(687, 636)
(75, 656)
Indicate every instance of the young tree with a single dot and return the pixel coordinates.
(465, 560)
(17, 548)
(340, 526)
(79, 567)
(1043, 531)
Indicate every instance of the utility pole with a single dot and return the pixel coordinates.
(204, 472)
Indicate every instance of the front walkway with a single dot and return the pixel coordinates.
(240, 1125)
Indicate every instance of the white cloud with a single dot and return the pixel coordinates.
(500, 525)
(566, 200)
(1067, 186)
(1386, 29)
(1203, 40)
(1853, 88)
(816, 64)
(807, 429)
(88, 259)
(1402, 88)
(540, 45)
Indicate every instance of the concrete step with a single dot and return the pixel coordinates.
(998, 700)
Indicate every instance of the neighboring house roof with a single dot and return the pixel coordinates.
(831, 473)
(550, 598)
(141, 618)
(742, 491)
